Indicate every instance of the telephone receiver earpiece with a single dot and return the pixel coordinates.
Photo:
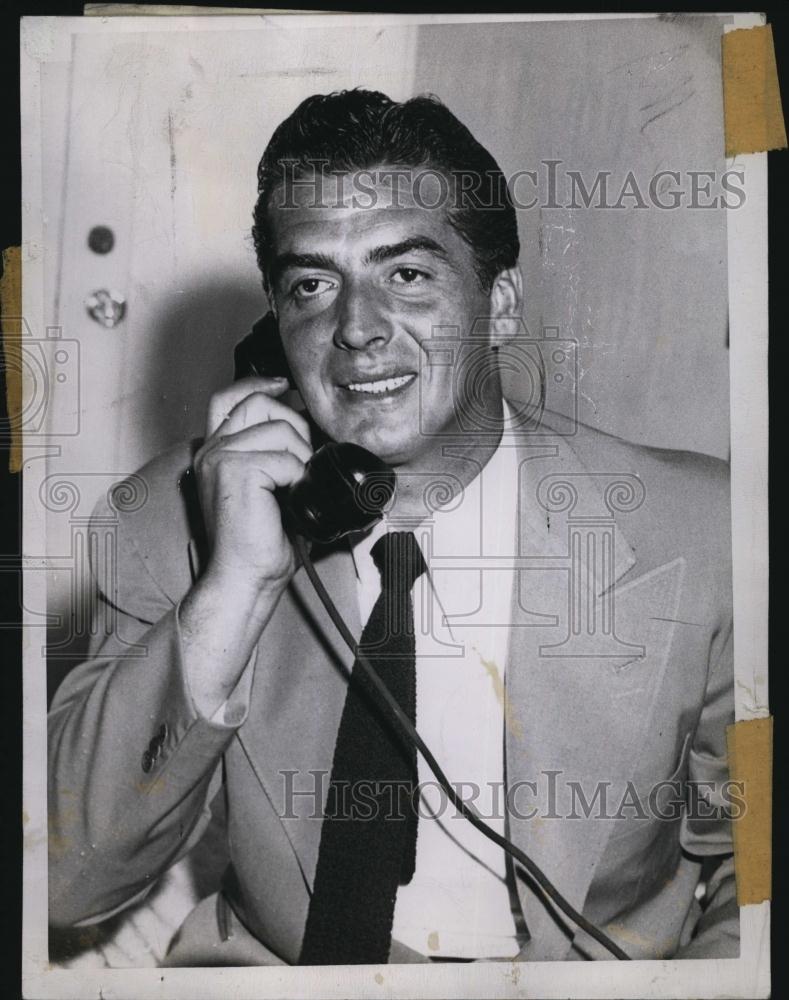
(261, 352)
(345, 488)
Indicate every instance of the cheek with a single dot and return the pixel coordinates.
(449, 360)
(458, 316)
(306, 357)
(436, 381)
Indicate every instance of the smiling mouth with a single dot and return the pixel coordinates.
(380, 387)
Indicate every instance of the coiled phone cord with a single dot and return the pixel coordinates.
(464, 808)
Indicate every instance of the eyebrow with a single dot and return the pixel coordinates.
(282, 262)
(379, 254)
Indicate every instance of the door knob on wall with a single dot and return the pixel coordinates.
(106, 307)
(101, 239)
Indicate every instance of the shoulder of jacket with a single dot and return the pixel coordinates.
(687, 493)
(599, 450)
(155, 513)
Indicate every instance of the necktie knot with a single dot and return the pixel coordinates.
(399, 560)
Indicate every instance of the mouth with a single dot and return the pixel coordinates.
(383, 386)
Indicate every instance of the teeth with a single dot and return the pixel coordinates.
(383, 385)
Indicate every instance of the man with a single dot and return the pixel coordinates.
(567, 606)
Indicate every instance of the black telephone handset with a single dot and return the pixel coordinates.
(345, 488)
(261, 352)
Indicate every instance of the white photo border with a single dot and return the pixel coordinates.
(746, 976)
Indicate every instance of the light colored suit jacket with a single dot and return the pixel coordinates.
(619, 677)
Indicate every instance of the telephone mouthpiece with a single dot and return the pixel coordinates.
(345, 488)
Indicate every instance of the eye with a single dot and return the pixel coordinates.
(311, 288)
(409, 276)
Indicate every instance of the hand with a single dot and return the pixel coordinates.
(254, 444)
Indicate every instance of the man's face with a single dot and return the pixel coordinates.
(358, 293)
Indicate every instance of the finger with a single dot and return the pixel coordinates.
(259, 408)
(276, 435)
(222, 402)
(280, 468)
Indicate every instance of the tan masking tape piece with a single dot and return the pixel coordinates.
(752, 112)
(750, 746)
(10, 311)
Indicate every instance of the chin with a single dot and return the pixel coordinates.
(394, 449)
(397, 441)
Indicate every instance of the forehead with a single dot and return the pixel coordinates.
(360, 208)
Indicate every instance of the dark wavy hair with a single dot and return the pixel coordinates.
(360, 129)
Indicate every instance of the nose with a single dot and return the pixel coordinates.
(361, 324)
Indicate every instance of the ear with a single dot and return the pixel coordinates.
(506, 306)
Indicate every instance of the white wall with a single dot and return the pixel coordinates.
(642, 292)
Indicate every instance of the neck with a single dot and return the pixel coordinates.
(435, 478)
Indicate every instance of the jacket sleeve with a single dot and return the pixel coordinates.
(706, 829)
(132, 766)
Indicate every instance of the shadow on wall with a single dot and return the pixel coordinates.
(189, 356)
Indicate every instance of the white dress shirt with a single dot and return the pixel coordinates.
(458, 903)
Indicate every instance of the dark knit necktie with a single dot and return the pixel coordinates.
(368, 837)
